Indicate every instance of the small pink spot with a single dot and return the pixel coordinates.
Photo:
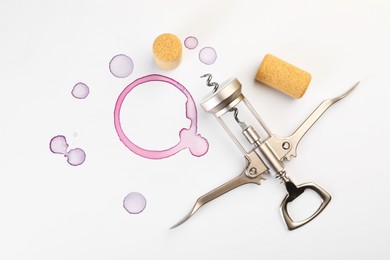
(191, 42)
(207, 55)
(121, 66)
(80, 90)
(58, 144)
(76, 156)
(134, 202)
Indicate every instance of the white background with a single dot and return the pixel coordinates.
(51, 210)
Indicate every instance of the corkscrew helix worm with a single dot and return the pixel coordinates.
(215, 85)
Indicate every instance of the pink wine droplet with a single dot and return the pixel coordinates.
(191, 42)
(121, 66)
(58, 144)
(80, 90)
(134, 202)
(207, 55)
(76, 156)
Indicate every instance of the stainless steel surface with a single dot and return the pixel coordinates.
(251, 135)
(267, 155)
(227, 96)
(294, 192)
(230, 133)
(296, 137)
(258, 118)
(253, 173)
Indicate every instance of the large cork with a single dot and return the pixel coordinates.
(167, 51)
(283, 76)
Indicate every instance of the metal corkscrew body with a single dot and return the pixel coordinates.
(266, 153)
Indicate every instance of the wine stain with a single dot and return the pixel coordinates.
(121, 66)
(189, 138)
(59, 145)
(134, 202)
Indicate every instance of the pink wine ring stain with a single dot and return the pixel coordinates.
(59, 145)
(189, 138)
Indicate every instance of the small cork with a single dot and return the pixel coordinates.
(283, 76)
(167, 50)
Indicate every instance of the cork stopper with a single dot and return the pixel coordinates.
(167, 51)
(283, 76)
